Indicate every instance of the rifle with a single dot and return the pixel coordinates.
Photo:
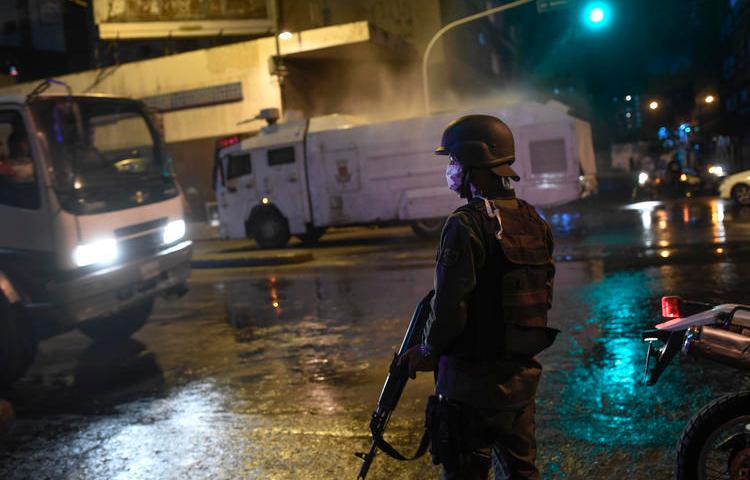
(392, 390)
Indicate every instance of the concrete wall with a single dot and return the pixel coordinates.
(412, 20)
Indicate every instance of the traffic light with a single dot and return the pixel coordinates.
(596, 15)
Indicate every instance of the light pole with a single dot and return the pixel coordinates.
(454, 24)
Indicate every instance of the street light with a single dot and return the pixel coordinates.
(709, 99)
(628, 98)
(653, 105)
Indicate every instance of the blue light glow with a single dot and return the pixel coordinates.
(596, 14)
(604, 400)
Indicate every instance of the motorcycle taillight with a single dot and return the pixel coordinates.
(670, 307)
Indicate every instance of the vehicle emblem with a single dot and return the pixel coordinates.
(139, 197)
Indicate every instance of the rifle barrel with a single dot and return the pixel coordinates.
(367, 461)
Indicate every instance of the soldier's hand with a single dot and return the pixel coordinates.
(418, 358)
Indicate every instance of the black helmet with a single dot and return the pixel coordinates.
(480, 141)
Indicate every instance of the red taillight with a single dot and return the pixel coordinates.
(670, 307)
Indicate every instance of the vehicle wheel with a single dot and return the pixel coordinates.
(715, 440)
(18, 343)
(741, 194)
(120, 326)
(313, 235)
(270, 229)
(428, 227)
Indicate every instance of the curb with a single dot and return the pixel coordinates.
(219, 261)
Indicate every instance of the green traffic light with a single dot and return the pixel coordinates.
(596, 15)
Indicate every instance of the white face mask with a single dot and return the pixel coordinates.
(454, 175)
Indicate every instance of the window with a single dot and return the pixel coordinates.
(281, 156)
(239, 164)
(548, 156)
(17, 178)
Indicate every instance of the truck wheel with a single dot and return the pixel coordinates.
(18, 343)
(312, 235)
(428, 227)
(119, 326)
(741, 194)
(270, 229)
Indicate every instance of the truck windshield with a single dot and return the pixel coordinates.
(104, 153)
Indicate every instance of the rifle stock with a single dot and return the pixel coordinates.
(393, 388)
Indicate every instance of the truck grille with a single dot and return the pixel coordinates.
(141, 246)
(140, 227)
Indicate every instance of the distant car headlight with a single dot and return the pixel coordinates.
(100, 252)
(642, 178)
(717, 170)
(174, 231)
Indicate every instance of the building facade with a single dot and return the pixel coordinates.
(734, 89)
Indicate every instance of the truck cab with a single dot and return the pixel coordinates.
(93, 222)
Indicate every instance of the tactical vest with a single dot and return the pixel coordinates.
(507, 311)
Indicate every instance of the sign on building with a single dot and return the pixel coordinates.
(140, 19)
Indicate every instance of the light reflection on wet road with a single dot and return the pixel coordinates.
(274, 374)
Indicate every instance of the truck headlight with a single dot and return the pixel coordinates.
(99, 252)
(174, 231)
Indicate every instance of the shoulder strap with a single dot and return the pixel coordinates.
(393, 453)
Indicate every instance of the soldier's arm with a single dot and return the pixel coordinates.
(461, 255)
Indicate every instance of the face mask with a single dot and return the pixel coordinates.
(454, 175)
(505, 182)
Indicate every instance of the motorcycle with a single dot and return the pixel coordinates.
(715, 444)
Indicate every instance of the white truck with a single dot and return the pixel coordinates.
(299, 177)
(92, 215)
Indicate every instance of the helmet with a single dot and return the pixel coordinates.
(480, 141)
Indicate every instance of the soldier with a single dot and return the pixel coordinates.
(493, 287)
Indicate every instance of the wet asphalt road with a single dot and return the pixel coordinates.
(272, 373)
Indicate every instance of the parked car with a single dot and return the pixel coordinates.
(736, 187)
